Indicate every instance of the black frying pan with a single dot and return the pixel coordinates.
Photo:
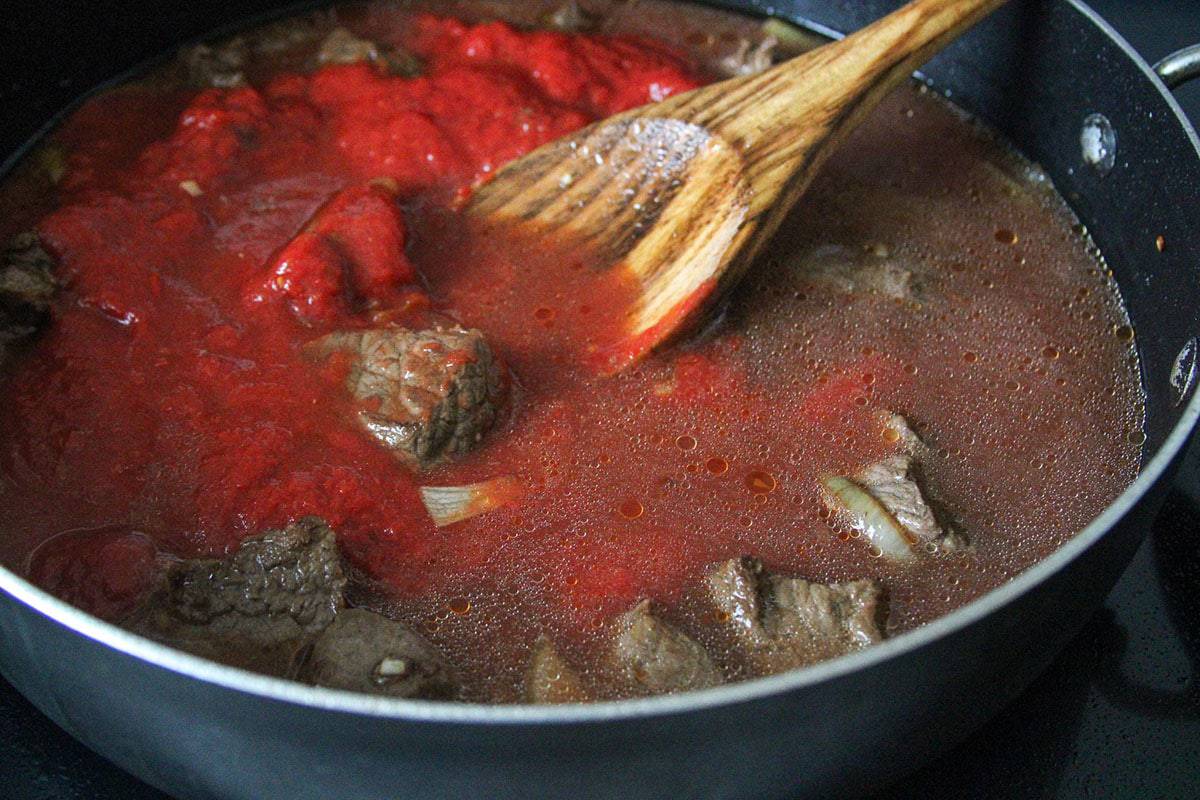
(1039, 71)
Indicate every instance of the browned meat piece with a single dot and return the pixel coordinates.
(255, 608)
(785, 623)
(895, 482)
(734, 589)
(655, 657)
(343, 47)
(892, 482)
(26, 288)
(836, 618)
(549, 679)
(425, 395)
(872, 270)
(294, 572)
(570, 18)
(365, 652)
(905, 437)
(219, 66)
(277, 606)
(749, 57)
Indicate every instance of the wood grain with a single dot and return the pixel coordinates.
(684, 193)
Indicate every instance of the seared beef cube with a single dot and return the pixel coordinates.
(897, 428)
(749, 58)
(365, 652)
(885, 501)
(425, 395)
(892, 482)
(785, 623)
(570, 18)
(255, 608)
(549, 679)
(897, 485)
(873, 270)
(835, 618)
(217, 66)
(348, 259)
(656, 658)
(294, 572)
(734, 589)
(26, 288)
(343, 47)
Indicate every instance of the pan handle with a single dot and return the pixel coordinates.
(1179, 67)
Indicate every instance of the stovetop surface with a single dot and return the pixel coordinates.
(1116, 715)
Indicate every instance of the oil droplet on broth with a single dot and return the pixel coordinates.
(460, 606)
(717, 465)
(1005, 236)
(760, 482)
(631, 509)
(686, 442)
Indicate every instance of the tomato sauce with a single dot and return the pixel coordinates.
(205, 237)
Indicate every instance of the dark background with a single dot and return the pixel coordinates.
(1117, 715)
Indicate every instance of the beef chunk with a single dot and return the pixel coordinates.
(570, 18)
(785, 623)
(277, 606)
(365, 652)
(657, 658)
(295, 572)
(255, 608)
(26, 288)
(884, 501)
(896, 481)
(349, 258)
(549, 679)
(872, 270)
(343, 47)
(837, 618)
(219, 66)
(897, 427)
(891, 481)
(749, 57)
(425, 395)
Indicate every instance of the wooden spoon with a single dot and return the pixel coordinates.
(684, 192)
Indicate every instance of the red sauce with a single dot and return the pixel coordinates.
(170, 401)
(180, 334)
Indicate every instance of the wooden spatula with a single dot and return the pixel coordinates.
(684, 192)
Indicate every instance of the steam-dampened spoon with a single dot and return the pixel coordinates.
(684, 192)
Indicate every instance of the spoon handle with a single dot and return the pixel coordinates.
(786, 120)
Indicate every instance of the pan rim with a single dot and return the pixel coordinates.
(287, 691)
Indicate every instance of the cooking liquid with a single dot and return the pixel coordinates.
(161, 402)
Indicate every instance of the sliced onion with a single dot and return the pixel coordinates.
(869, 517)
(449, 504)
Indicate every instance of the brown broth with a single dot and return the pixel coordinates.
(1011, 364)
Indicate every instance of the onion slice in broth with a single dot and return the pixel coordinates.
(450, 504)
(865, 514)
